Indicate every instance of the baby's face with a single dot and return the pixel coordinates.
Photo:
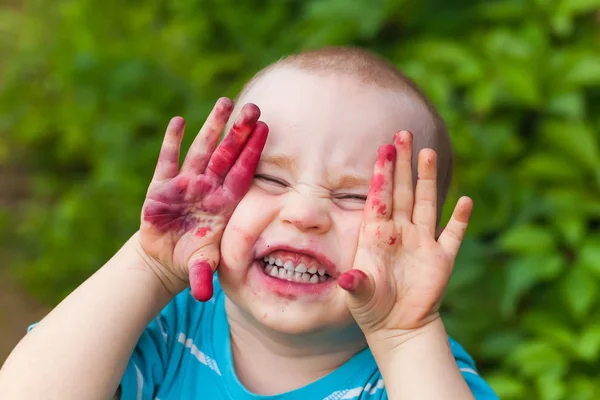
(297, 228)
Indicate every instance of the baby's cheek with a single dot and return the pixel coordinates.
(242, 233)
(347, 225)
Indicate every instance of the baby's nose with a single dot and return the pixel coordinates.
(306, 212)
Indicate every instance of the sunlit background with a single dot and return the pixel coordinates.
(87, 87)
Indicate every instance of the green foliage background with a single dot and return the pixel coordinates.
(87, 88)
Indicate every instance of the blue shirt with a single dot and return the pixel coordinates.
(185, 353)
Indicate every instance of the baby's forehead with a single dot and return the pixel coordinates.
(338, 106)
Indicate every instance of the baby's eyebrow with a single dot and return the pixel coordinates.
(283, 162)
(350, 182)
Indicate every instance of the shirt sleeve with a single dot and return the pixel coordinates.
(148, 363)
(479, 387)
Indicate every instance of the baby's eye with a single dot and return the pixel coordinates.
(353, 197)
(271, 179)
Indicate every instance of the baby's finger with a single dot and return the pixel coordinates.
(403, 176)
(451, 237)
(379, 200)
(228, 151)
(205, 142)
(238, 180)
(168, 160)
(359, 284)
(425, 210)
(201, 269)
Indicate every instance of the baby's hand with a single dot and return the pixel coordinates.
(186, 209)
(400, 270)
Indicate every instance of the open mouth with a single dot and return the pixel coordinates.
(292, 271)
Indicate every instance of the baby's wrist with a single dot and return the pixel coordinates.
(166, 284)
(390, 342)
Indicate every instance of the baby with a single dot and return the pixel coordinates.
(329, 267)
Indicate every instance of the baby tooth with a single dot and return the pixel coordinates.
(312, 270)
(288, 274)
(321, 271)
(301, 268)
(271, 260)
(314, 279)
(297, 276)
(289, 265)
(322, 278)
(274, 272)
(278, 262)
(281, 273)
(305, 277)
(268, 268)
(266, 259)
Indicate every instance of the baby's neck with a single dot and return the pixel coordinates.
(268, 362)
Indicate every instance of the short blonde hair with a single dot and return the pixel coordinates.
(372, 69)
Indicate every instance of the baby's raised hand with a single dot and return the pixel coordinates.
(186, 209)
(401, 271)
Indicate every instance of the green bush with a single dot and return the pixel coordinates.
(88, 86)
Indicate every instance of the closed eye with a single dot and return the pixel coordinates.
(356, 197)
(271, 179)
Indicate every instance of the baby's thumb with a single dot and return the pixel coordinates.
(201, 270)
(359, 285)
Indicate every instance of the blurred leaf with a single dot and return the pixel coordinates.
(581, 388)
(579, 291)
(521, 83)
(573, 7)
(585, 71)
(538, 358)
(483, 95)
(523, 273)
(573, 139)
(570, 105)
(549, 166)
(589, 255)
(572, 227)
(551, 386)
(507, 387)
(527, 239)
(550, 327)
(588, 346)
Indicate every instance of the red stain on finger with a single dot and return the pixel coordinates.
(351, 280)
(392, 240)
(231, 145)
(377, 183)
(376, 204)
(240, 177)
(385, 153)
(201, 280)
(203, 231)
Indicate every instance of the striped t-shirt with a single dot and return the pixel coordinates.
(185, 353)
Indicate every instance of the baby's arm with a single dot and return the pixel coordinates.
(420, 365)
(81, 349)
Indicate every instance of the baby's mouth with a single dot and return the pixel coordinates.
(295, 270)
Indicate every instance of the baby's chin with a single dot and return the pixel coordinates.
(286, 315)
(297, 319)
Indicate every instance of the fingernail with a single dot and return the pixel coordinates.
(177, 124)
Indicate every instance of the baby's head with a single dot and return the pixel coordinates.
(328, 111)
